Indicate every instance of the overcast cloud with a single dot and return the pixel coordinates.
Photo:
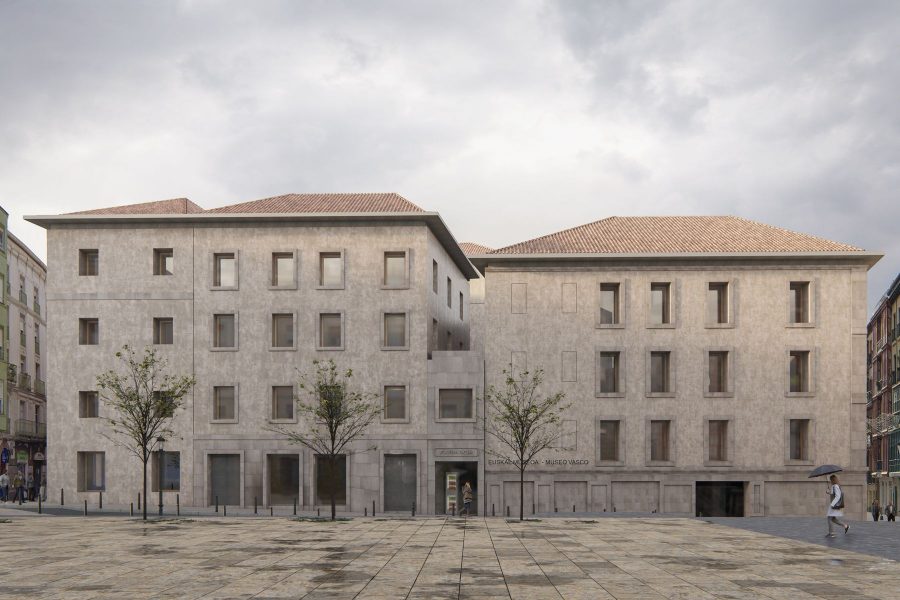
(510, 119)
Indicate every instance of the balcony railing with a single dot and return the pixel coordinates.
(30, 428)
(40, 387)
(25, 381)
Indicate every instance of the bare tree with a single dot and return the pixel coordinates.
(331, 417)
(143, 398)
(524, 422)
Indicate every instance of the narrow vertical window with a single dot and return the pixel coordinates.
(799, 439)
(163, 330)
(223, 331)
(659, 441)
(659, 372)
(283, 270)
(88, 405)
(449, 292)
(461, 315)
(609, 441)
(434, 334)
(395, 330)
(434, 276)
(717, 303)
(799, 367)
(608, 372)
(163, 261)
(660, 303)
(224, 403)
(283, 331)
(88, 332)
(88, 263)
(718, 440)
(799, 302)
(282, 402)
(394, 402)
(331, 269)
(224, 270)
(718, 372)
(330, 331)
(609, 303)
(394, 269)
(167, 474)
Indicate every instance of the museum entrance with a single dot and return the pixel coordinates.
(720, 499)
(449, 480)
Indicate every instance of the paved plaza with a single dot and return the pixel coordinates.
(240, 557)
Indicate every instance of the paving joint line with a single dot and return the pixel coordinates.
(387, 562)
(536, 563)
(427, 556)
(499, 564)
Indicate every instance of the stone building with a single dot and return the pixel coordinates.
(710, 362)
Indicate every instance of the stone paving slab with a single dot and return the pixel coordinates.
(110, 557)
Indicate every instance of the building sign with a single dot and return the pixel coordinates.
(22, 456)
(455, 452)
(548, 462)
(38, 456)
(4, 456)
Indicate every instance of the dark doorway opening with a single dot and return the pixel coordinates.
(720, 498)
(399, 482)
(449, 480)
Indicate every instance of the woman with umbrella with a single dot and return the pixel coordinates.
(835, 505)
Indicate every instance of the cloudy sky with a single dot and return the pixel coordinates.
(512, 119)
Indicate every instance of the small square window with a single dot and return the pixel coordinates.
(163, 261)
(718, 441)
(283, 331)
(88, 262)
(88, 332)
(799, 366)
(88, 405)
(395, 402)
(660, 303)
(799, 302)
(163, 330)
(455, 404)
(395, 330)
(283, 269)
(799, 439)
(224, 331)
(659, 372)
(225, 270)
(224, 403)
(395, 269)
(282, 402)
(331, 270)
(331, 333)
(659, 441)
(717, 303)
(609, 441)
(609, 303)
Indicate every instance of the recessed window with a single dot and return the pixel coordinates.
(609, 303)
(395, 402)
(331, 269)
(660, 303)
(718, 372)
(225, 270)
(283, 269)
(609, 441)
(88, 332)
(330, 330)
(448, 340)
(395, 269)
(434, 334)
(224, 331)
(283, 331)
(88, 405)
(91, 471)
(434, 276)
(455, 404)
(330, 477)
(718, 440)
(659, 441)
(224, 403)
(659, 372)
(799, 371)
(799, 439)
(163, 261)
(461, 314)
(799, 301)
(717, 303)
(449, 292)
(169, 473)
(395, 330)
(88, 262)
(608, 372)
(163, 330)
(282, 402)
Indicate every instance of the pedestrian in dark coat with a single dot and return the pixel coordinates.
(891, 512)
(876, 510)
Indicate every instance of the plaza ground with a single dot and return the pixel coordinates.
(428, 557)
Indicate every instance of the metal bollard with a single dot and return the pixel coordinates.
(101, 500)
(295, 507)
(507, 511)
(62, 496)
(40, 511)
(132, 509)
(225, 510)
(573, 508)
(373, 508)
(139, 501)
(254, 506)
(492, 510)
(414, 508)
(532, 508)
(318, 512)
(555, 509)
(177, 505)
(271, 511)
(365, 511)
(85, 508)
(453, 511)
(217, 503)
(19, 492)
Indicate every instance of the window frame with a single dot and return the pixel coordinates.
(811, 300)
(730, 287)
(620, 442)
(272, 405)
(212, 331)
(155, 471)
(295, 256)
(435, 277)
(320, 271)
(729, 441)
(812, 358)
(319, 314)
(384, 316)
(729, 372)
(83, 323)
(271, 330)
(157, 324)
(599, 351)
(671, 378)
(668, 305)
(404, 285)
(158, 255)
(84, 262)
(214, 256)
(82, 396)
(237, 415)
(621, 303)
(672, 443)
(437, 406)
(80, 474)
(405, 387)
(810, 440)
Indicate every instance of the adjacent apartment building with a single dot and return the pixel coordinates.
(883, 398)
(709, 362)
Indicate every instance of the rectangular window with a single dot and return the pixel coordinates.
(395, 402)
(659, 441)
(799, 370)
(331, 269)
(283, 331)
(223, 331)
(718, 372)
(224, 403)
(224, 270)
(434, 334)
(88, 405)
(395, 330)
(394, 269)
(330, 333)
(331, 477)
(163, 330)
(91, 471)
(282, 402)
(660, 303)
(609, 372)
(455, 404)
(659, 372)
(799, 302)
(609, 441)
(449, 293)
(283, 269)
(609, 303)
(461, 315)
(718, 440)
(717, 303)
(163, 261)
(434, 276)
(170, 473)
(88, 262)
(799, 431)
(88, 332)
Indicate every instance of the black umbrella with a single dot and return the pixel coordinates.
(825, 470)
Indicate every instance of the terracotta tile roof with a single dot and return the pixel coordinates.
(471, 248)
(325, 203)
(175, 206)
(673, 235)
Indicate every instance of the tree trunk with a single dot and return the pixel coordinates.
(522, 493)
(333, 491)
(145, 486)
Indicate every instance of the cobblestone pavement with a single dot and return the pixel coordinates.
(104, 557)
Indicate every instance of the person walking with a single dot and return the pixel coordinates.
(43, 487)
(29, 487)
(4, 486)
(890, 512)
(467, 497)
(876, 510)
(19, 485)
(835, 504)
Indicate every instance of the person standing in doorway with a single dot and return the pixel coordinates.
(4, 486)
(835, 505)
(876, 510)
(467, 497)
(890, 512)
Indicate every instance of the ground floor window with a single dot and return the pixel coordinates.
(225, 479)
(170, 472)
(284, 478)
(328, 477)
(91, 471)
